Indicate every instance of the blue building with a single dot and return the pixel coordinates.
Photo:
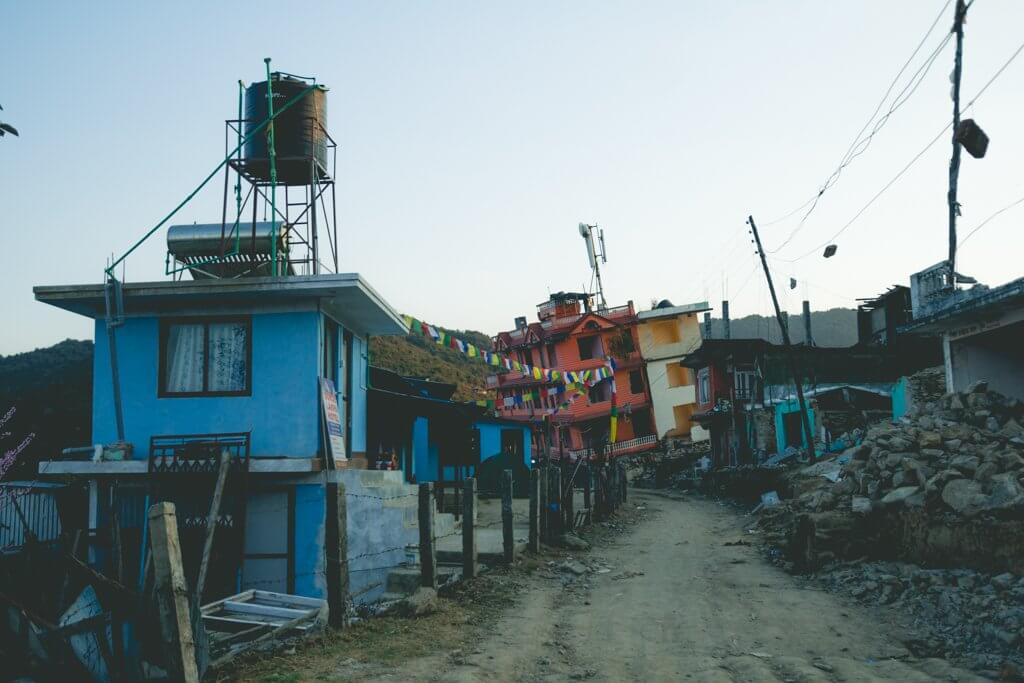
(436, 439)
(247, 366)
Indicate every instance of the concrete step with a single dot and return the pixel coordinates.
(405, 580)
(373, 477)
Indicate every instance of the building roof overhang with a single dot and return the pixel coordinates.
(673, 311)
(992, 303)
(345, 296)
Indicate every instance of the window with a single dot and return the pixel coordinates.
(636, 382)
(677, 375)
(600, 392)
(745, 383)
(205, 357)
(590, 347)
(552, 356)
(666, 332)
(703, 387)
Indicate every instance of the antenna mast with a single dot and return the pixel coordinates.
(595, 252)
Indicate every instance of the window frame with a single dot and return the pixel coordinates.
(636, 377)
(205, 321)
(703, 386)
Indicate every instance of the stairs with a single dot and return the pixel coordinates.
(383, 533)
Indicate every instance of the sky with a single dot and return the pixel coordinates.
(474, 137)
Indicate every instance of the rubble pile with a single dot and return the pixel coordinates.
(973, 617)
(671, 466)
(961, 453)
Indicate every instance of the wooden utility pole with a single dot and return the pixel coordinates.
(469, 548)
(793, 369)
(535, 510)
(507, 537)
(172, 594)
(428, 553)
(336, 536)
(954, 162)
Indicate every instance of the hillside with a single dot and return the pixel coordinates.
(834, 327)
(51, 392)
(416, 356)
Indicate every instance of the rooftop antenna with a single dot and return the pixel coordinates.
(588, 232)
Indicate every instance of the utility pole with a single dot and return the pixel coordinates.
(783, 325)
(954, 162)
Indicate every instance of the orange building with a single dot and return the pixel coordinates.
(571, 337)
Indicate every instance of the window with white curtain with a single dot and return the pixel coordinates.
(205, 357)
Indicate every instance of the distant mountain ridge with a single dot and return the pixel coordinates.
(832, 327)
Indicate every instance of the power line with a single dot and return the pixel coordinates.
(813, 199)
(913, 161)
(986, 221)
(861, 145)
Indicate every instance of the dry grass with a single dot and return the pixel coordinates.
(376, 645)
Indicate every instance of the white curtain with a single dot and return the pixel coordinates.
(228, 344)
(185, 358)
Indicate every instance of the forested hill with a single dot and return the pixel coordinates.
(416, 356)
(50, 391)
(834, 327)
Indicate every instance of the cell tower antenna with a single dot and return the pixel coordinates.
(596, 250)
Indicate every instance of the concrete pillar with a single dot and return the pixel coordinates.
(726, 333)
(808, 339)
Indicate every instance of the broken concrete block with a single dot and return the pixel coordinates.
(1012, 429)
(860, 505)
(963, 495)
(419, 604)
(985, 471)
(978, 387)
(968, 464)
(929, 439)
(1005, 492)
(898, 496)
(573, 542)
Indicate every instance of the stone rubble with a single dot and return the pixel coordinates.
(963, 453)
(963, 615)
(956, 459)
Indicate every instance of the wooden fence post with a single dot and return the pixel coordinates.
(568, 496)
(535, 510)
(587, 480)
(507, 540)
(544, 537)
(555, 503)
(337, 554)
(172, 594)
(624, 482)
(469, 566)
(613, 487)
(428, 553)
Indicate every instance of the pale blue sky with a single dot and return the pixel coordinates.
(475, 136)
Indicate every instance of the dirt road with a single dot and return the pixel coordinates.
(702, 610)
(677, 596)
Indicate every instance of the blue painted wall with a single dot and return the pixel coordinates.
(490, 440)
(357, 402)
(900, 398)
(310, 514)
(786, 407)
(422, 468)
(283, 411)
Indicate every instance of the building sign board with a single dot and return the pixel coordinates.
(332, 421)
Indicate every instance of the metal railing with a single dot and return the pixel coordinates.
(619, 448)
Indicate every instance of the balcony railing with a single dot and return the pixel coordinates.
(641, 443)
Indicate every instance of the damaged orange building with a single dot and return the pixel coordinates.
(571, 336)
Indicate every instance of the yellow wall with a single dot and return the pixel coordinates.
(663, 343)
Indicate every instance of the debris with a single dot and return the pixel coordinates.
(628, 574)
(574, 567)
(573, 542)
